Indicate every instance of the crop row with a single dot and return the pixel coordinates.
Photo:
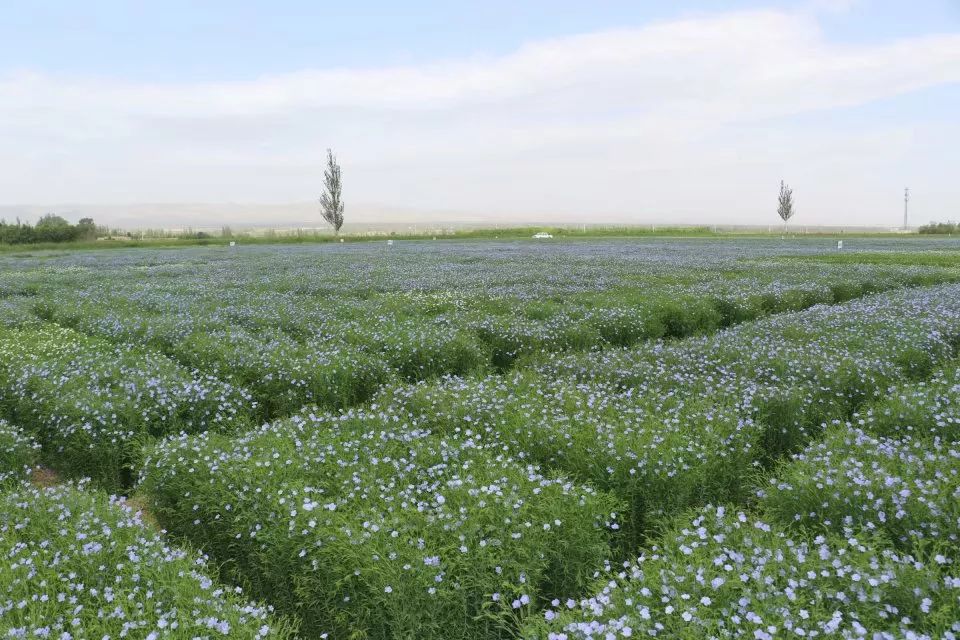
(893, 470)
(455, 482)
(78, 565)
(93, 405)
(857, 538)
(690, 420)
(95, 394)
(382, 528)
(293, 348)
(723, 573)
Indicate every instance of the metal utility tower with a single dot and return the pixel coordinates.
(906, 201)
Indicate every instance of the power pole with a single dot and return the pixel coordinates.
(906, 202)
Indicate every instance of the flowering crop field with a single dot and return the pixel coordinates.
(709, 438)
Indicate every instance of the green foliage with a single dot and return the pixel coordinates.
(904, 489)
(940, 228)
(49, 228)
(723, 573)
(388, 533)
(93, 405)
(457, 440)
(920, 409)
(78, 564)
(18, 454)
(941, 258)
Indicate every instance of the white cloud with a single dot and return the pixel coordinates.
(519, 132)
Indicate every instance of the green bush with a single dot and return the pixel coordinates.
(723, 573)
(18, 454)
(78, 564)
(392, 532)
(93, 405)
(929, 408)
(905, 489)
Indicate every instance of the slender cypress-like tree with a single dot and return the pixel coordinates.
(785, 207)
(331, 201)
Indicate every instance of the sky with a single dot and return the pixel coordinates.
(540, 110)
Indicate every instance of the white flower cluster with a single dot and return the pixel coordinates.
(724, 574)
(77, 565)
(92, 404)
(18, 453)
(380, 525)
(320, 325)
(907, 489)
(480, 506)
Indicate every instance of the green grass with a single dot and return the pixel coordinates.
(507, 233)
(947, 259)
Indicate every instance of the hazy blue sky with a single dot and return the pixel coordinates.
(642, 111)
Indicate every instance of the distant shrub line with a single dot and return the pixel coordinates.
(50, 228)
(940, 228)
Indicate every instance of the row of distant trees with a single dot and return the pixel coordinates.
(945, 228)
(49, 228)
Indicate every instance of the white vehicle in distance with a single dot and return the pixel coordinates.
(542, 235)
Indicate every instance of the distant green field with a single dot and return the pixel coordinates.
(933, 258)
(506, 233)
